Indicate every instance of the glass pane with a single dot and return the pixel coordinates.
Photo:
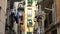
(29, 12)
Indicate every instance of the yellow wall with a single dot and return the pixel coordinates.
(33, 15)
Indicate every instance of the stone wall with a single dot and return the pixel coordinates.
(2, 16)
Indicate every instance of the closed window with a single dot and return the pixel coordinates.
(29, 2)
(29, 32)
(29, 12)
(29, 22)
(54, 32)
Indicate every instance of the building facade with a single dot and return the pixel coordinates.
(2, 15)
(51, 22)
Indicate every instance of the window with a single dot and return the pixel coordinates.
(54, 32)
(29, 22)
(53, 13)
(50, 17)
(30, 2)
(46, 23)
(29, 32)
(29, 12)
(11, 4)
(50, 12)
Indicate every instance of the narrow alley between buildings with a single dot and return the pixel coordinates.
(29, 16)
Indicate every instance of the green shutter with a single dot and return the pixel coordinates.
(29, 32)
(29, 23)
(29, 2)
